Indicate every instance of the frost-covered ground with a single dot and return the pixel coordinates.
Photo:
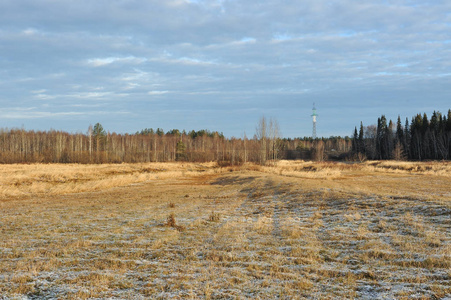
(239, 235)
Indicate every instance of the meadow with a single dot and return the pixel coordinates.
(288, 230)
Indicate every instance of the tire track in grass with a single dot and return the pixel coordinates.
(274, 249)
(319, 253)
(207, 249)
(231, 250)
(276, 204)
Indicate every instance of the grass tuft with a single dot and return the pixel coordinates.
(214, 217)
(171, 222)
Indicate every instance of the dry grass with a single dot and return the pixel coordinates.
(56, 179)
(404, 167)
(303, 169)
(199, 231)
(20, 180)
(332, 170)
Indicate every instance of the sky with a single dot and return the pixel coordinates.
(221, 64)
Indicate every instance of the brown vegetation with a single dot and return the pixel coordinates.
(180, 230)
(21, 146)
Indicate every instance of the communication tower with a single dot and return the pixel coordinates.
(314, 115)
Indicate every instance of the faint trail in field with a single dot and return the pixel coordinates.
(276, 232)
(230, 209)
(283, 208)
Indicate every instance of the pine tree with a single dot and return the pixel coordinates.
(382, 143)
(160, 132)
(361, 140)
(399, 131)
(180, 151)
(378, 138)
(425, 123)
(416, 137)
(407, 138)
(434, 125)
(426, 138)
(99, 135)
(389, 140)
(434, 133)
(355, 141)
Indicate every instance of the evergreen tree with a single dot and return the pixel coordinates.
(399, 131)
(434, 134)
(382, 142)
(180, 151)
(355, 141)
(435, 122)
(99, 135)
(378, 138)
(420, 139)
(98, 130)
(389, 140)
(407, 138)
(361, 140)
(424, 124)
(175, 132)
(416, 144)
(426, 138)
(160, 132)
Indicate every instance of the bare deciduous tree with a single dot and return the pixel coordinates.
(261, 133)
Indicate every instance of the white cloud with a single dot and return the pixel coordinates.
(57, 114)
(250, 40)
(45, 96)
(152, 93)
(99, 62)
(30, 31)
(138, 75)
(38, 91)
(90, 95)
(282, 37)
(193, 61)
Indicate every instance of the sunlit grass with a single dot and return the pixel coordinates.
(199, 231)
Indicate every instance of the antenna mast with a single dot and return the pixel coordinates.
(314, 115)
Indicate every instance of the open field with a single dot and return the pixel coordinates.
(296, 230)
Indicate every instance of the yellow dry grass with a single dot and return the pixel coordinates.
(21, 180)
(433, 168)
(184, 230)
(56, 179)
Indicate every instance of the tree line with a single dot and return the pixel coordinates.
(422, 138)
(149, 145)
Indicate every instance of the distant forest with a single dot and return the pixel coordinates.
(149, 145)
(420, 139)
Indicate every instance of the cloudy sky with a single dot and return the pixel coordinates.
(221, 64)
